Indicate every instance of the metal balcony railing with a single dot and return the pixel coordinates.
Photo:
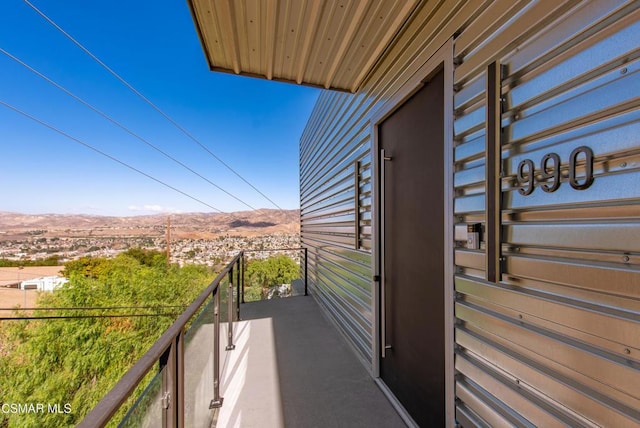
(185, 391)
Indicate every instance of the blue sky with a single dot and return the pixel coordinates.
(254, 125)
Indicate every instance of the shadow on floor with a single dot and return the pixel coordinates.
(322, 383)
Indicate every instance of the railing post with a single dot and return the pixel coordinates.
(230, 345)
(167, 387)
(244, 265)
(179, 388)
(306, 266)
(217, 400)
(172, 366)
(238, 285)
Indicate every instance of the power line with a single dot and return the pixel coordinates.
(118, 124)
(105, 154)
(96, 308)
(145, 99)
(53, 317)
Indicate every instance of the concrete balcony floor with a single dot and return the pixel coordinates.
(292, 368)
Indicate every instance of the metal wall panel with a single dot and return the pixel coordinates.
(554, 341)
(337, 137)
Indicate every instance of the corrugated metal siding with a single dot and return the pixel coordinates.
(337, 135)
(339, 270)
(556, 341)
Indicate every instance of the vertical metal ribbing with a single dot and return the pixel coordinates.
(356, 167)
(493, 156)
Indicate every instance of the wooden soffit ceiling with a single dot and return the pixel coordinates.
(333, 44)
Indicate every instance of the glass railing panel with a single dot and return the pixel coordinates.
(224, 307)
(147, 411)
(225, 310)
(194, 332)
(198, 368)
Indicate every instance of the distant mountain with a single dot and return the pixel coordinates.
(189, 225)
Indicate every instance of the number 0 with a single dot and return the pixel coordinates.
(526, 178)
(588, 168)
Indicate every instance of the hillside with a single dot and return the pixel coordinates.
(183, 226)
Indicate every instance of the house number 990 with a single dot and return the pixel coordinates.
(550, 172)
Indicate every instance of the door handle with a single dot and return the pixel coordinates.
(383, 303)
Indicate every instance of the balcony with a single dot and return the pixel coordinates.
(277, 363)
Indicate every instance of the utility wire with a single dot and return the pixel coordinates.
(9, 106)
(96, 308)
(118, 124)
(53, 317)
(145, 99)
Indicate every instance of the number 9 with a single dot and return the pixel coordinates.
(555, 172)
(526, 182)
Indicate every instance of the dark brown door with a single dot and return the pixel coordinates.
(413, 254)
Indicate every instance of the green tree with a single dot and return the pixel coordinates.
(153, 258)
(53, 260)
(77, 361)
(88, 267)
(264, 274)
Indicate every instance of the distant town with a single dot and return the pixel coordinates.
(211, 252)
(198, 238)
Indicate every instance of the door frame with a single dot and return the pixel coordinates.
(441, 59)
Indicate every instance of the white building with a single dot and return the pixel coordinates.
(44, 283)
